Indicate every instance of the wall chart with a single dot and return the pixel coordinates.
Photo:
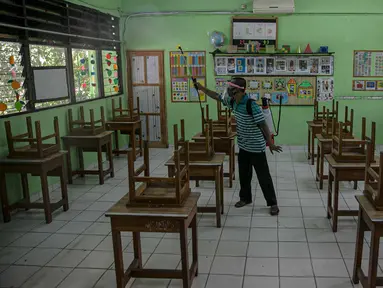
(368, 63)
(181, 70)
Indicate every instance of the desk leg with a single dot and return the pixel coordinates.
(24, 183)
(355, 185)
(45, 192)
(196, 183)
(329, 194)
(184, 254)
(110, 156)
(81, 162)
(321, 167)
(359, 246)
(231, 169)
(336, 204)
(137, 248)
(140, 140)
(116, 143)
(4, 198)
(221, 191)
(233, 155)
(170, 171)
(69, 165)
(218, 196)
(308, 143)
(64, 188)
(118, 259)
(317, 176)
(374, 255)
(100, 165)
(133, 144)
(195, 242)
(312, 147)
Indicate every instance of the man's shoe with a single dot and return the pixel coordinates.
(242, 203)
(274, 210)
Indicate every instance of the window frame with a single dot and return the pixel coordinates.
(24, 39)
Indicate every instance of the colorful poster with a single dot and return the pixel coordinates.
(379, 64)
(231, 66)
(280, 84)
(250, 66)
(180, 89)
(325, 89)
(193, 92)
(370, 85)
(267, 84)
(260, 65)
(240, 67)
(292, 65)
(278, 97)
(358, 85)
(270, 65)
(305, 90)
(362, 63)
(314, 66)
(326, 64)
(253, 85)
(292, 87)
(379, 85)
(280, 65)
(220, 85)
(303, 66)
(221, 65)
(254, 95)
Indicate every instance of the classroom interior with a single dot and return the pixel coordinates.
(116, 172)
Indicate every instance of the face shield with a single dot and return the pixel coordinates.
(232, 89)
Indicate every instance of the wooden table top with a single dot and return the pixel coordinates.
(217, 160)
(331, 161)
(200, 137)
(111, 122)
(98, 136)
(18, 161)
(120, 209)
(322, 139)
(373, 214)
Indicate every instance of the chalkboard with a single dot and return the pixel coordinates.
(249, 29)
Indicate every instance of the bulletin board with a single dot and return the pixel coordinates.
(182, 68)
(249, 29)
(50, 83)
(368, 63)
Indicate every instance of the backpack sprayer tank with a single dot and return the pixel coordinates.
(268, 117)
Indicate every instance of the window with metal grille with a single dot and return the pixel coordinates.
(110, 71)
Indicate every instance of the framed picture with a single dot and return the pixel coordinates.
(303, 66)
(358, 85)
(379, 85)
(370, 85)
(280, 65)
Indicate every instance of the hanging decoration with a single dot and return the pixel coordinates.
(111, 70)
(83, 72)
(93, 72)
(19, 105)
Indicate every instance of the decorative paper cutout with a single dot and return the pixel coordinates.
(305, 90)
(277, 96)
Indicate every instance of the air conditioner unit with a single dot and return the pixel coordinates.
(273, 6)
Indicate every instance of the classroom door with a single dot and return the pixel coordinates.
(146, 82)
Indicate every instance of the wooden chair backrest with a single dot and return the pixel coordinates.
(33, 142)
(373, 181)
(319, 116)
(223, 123)
(118, 112)
(82, 124)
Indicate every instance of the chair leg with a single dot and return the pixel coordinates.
(374, 256)
(358, 247)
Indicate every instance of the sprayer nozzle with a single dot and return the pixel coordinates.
(178, 46)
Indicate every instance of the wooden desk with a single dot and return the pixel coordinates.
(313, 129)
(223, 145)
(130, 129)
(342, 172)
(369, 219)
(207, 170)
(324, 147)
(152, 219)
(96, 143)
(52, 165)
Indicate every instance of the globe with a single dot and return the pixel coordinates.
(217, 39)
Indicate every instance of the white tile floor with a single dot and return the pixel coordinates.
(252, 250)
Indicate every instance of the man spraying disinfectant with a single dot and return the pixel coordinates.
(253, 134)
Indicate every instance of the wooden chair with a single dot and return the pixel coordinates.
(329, 124)
(373, 182)
(319, 116)
(35, 149)
(119, 114)
(159, 191)
(221, 127)
(353, 150)
(198, 151)
(83, 128)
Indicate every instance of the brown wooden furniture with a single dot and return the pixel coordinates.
(330, 124)
(211, 170)
(130, 128)
(95, 143)
(221, 127)
(369, 219)
(223, 145)
(320, 116)
(323, 148)
(373, 181)
(35, 147)
(221, 112)
(197, 150)
(353, 150)
(52, 165)
(342, 172)
(84, 128)
(120, 114)
(313, 129)
(172, 191)
(154, 219)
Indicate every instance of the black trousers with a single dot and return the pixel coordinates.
(246, 162)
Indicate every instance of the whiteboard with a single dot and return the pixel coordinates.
(50, 84)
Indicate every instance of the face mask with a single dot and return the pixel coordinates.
(231, 92)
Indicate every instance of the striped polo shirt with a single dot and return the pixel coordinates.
(250, 137)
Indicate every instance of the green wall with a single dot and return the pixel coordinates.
(315, 22)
